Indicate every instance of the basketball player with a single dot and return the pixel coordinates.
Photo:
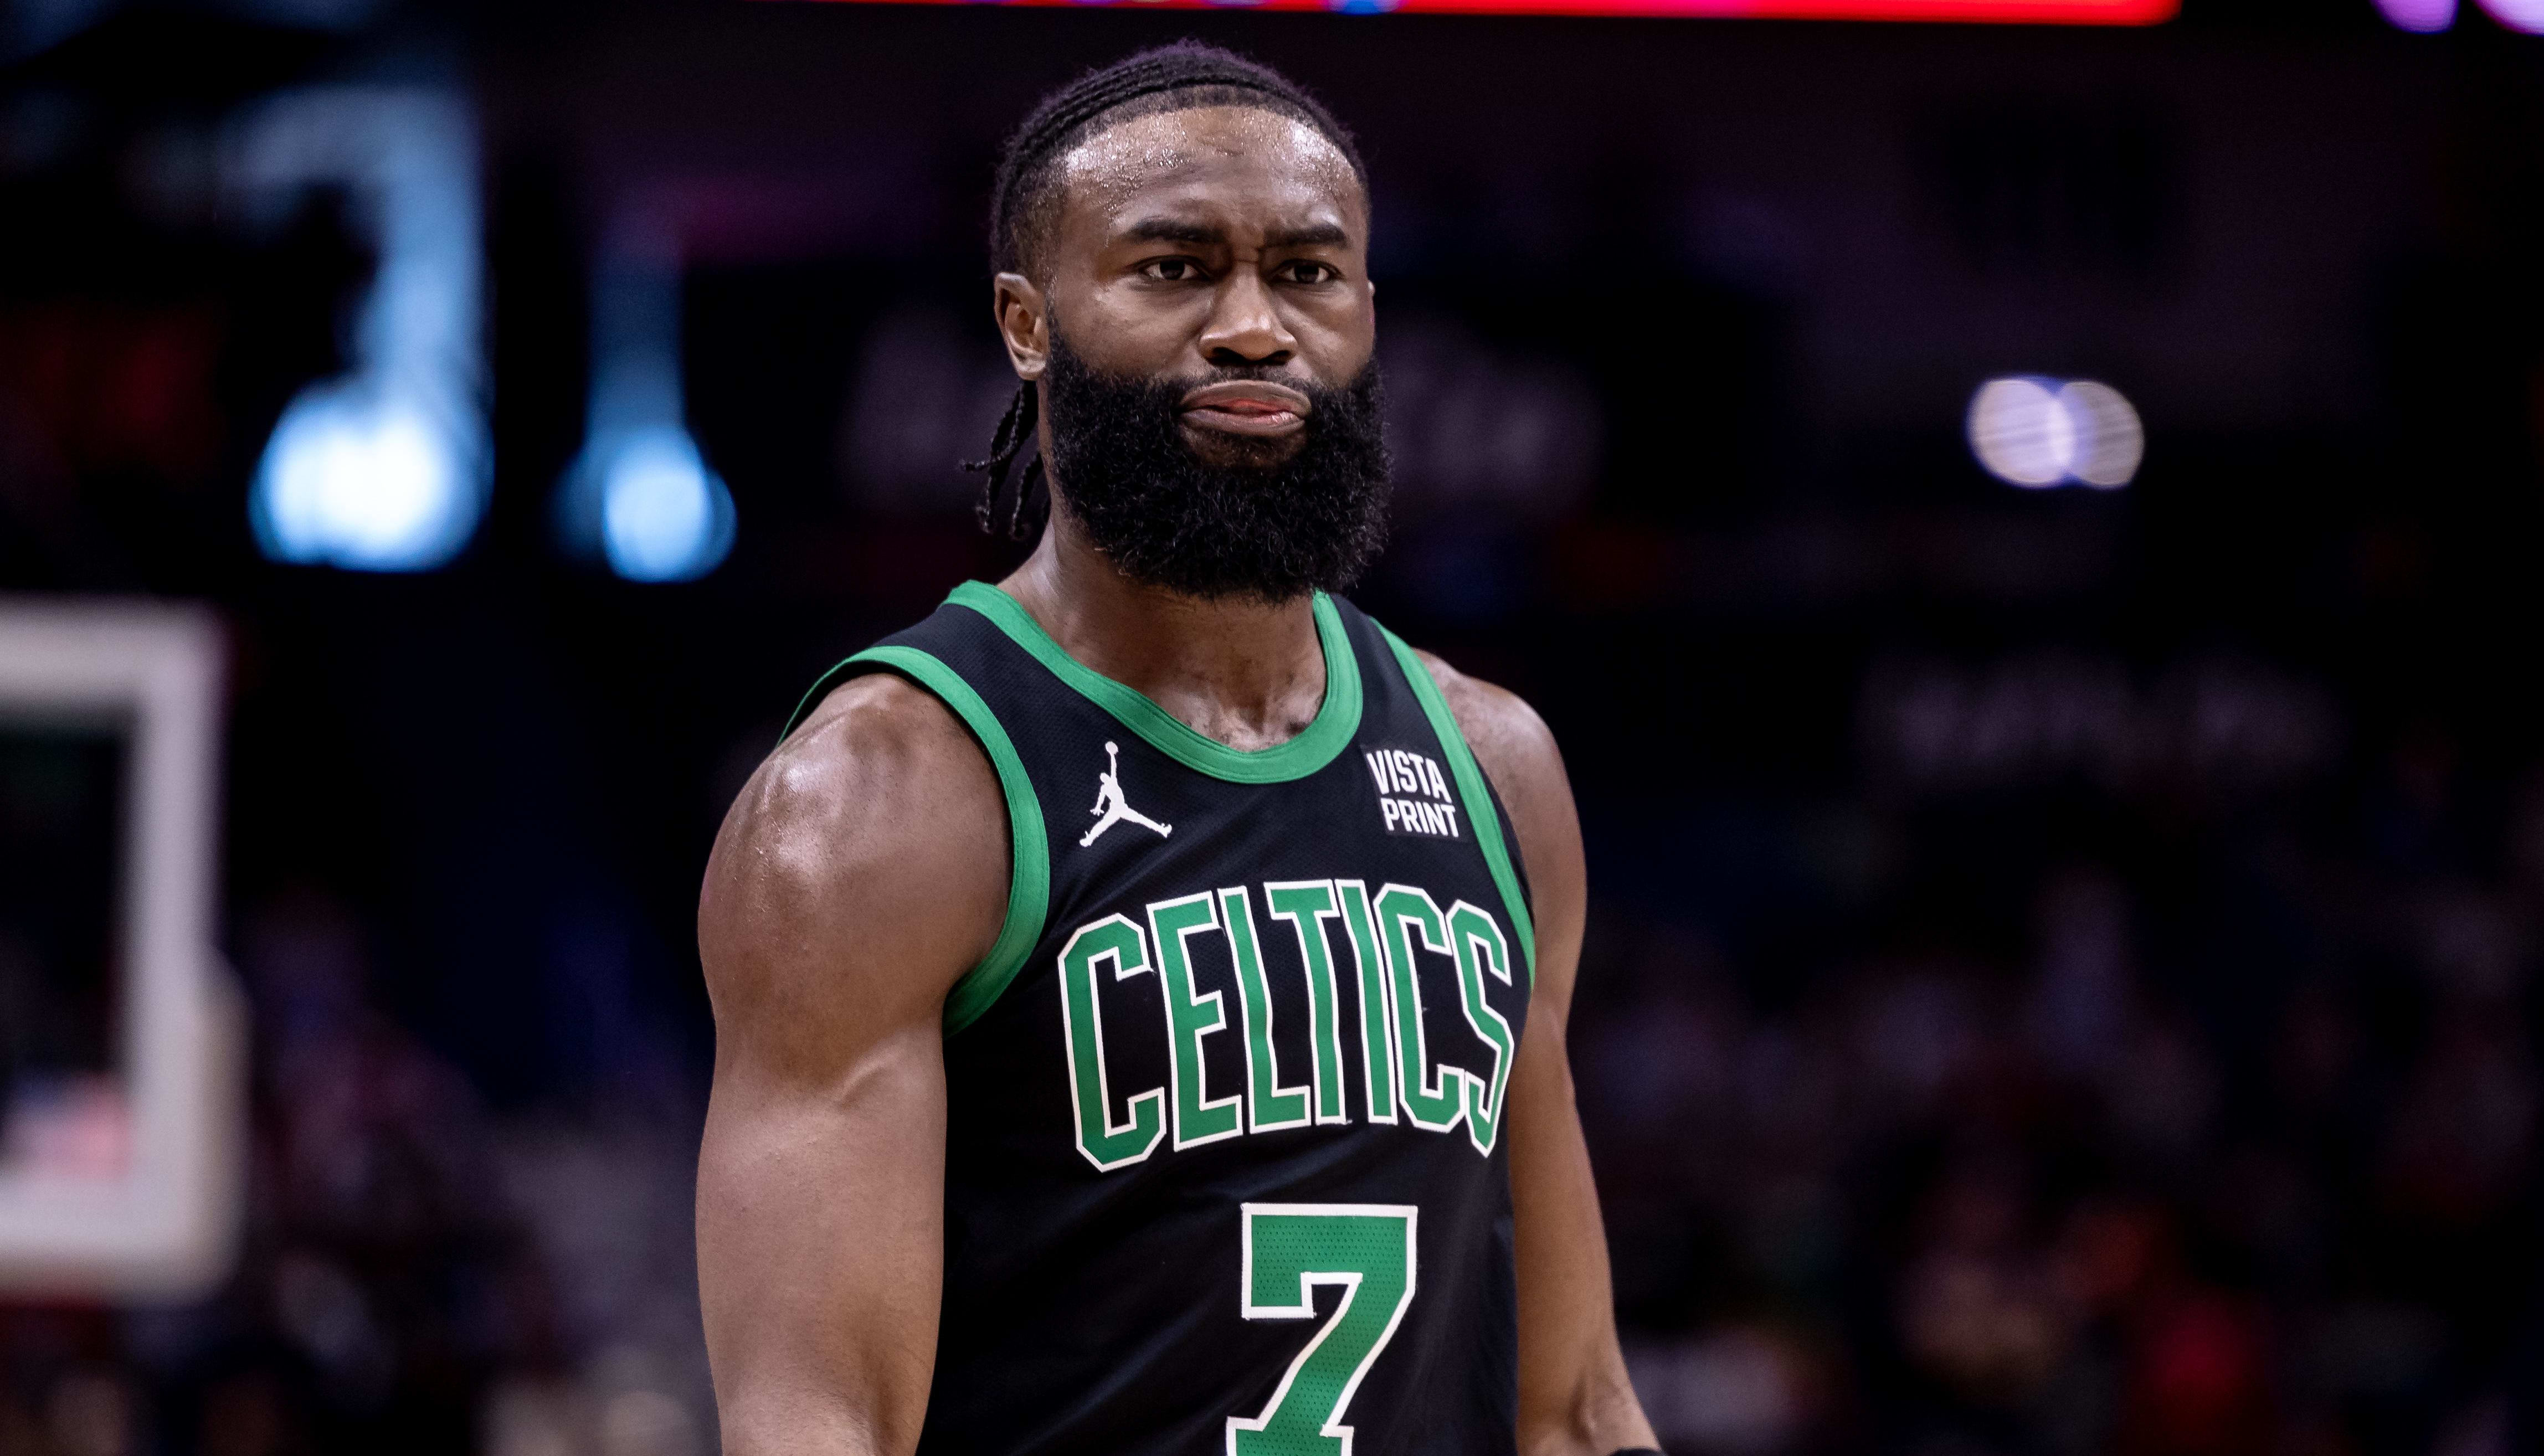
(1232, 1114)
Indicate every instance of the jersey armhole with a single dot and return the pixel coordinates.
(1484, 809)
(1510, 842)
(1030, 877)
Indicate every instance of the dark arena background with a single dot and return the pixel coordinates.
(2029, 536)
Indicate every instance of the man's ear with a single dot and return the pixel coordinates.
(1024, 323)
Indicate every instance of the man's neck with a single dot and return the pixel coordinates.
(1250, 675)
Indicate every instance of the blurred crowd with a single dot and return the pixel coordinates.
(420, 1274)
(2232, 1151)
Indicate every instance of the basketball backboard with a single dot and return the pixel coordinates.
(122, 1069)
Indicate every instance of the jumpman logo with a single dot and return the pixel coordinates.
(1110, 807)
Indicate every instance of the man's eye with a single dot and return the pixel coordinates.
(1174, 269)
(1314, 272)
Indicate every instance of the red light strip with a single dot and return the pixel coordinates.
(1998, 12)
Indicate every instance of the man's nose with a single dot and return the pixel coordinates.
(1243, 327)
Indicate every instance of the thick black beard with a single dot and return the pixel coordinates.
(1269, 528)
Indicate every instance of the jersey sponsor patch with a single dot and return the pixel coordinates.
(1414, 796)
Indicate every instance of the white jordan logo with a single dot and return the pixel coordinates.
(1110, 807)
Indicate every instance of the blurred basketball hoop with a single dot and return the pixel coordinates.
(122, 1068)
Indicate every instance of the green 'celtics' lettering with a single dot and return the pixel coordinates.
(1401, 940)
(1199, 1118)
(1106, 1144)
(1285, 1250)
(1431, 1098)
(1377, 1046)
(1268, 1105)
(1481, 947)
(1307, 905)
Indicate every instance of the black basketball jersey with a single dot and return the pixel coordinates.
(1225, 1166)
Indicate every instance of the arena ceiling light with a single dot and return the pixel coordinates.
(2518, 15)
(2423, 17)
(383, 468)
(2429, 17)
(640, 494)
(2036, 433)
(2002, 12)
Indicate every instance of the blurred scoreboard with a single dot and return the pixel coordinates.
(2005, 12)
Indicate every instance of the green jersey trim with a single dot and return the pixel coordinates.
(1029, 885)
(1336, 721)
(1473, 792)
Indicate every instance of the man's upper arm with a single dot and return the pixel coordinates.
(862, 872)
(1573, 1395)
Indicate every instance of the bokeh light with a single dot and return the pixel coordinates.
(2020, 432)
(2422, 16)
(2518, 15)
(2109, 440)
(640, 494)
(664, 516)
(385, 467)
(365, 480)
(2036, 433)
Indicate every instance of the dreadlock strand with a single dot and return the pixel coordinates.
(1023, 520)
(1015, 429)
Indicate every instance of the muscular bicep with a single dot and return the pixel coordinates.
(863, 870)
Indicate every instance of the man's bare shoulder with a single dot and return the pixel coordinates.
(1518, 753)
(874, 735)
(868, 852)
(1512, 743)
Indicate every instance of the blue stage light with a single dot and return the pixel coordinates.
(664, 516)
(640, 494)
(384, 468)
(365, 479)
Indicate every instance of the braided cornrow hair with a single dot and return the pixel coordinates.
(1176, 77)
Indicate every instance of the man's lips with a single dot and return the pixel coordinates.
(1248, 407)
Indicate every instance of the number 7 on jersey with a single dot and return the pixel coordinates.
(1287, 1250)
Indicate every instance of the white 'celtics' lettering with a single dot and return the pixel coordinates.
(1397, 948)
(1413, 795)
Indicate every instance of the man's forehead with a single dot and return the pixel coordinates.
(1288, 160)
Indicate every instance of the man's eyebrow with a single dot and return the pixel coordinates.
(1205, 234)
(1174, 230)
(1315, 234)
